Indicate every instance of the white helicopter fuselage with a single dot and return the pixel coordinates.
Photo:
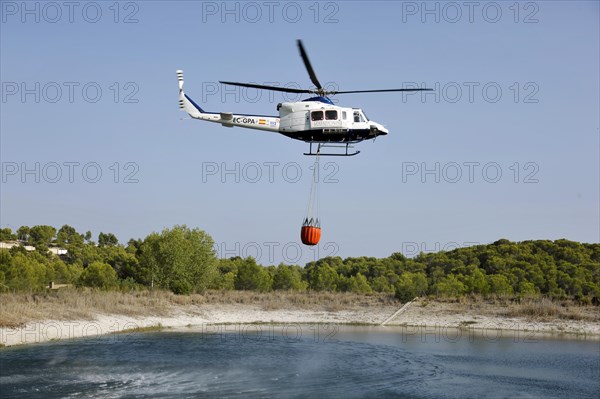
(319, 120)
(314, 120)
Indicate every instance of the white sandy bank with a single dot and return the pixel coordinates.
(48, 330)
(414, 316)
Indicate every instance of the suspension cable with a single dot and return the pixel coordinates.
(312, 210)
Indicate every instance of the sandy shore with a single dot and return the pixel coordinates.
(485, 317)
(428, 316)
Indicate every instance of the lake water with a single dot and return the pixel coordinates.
(304, 361)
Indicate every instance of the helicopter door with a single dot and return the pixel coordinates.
(360, 122)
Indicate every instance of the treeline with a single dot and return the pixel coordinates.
(184, 261)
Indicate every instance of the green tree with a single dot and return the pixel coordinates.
(358, 284)
(133, 246)
(591, 290)
(499, 285)
(23, 233)
(288, 278)
(23, 272)
(67, 235)
(449, 286)
(224, 282)
(107, 240)
(322, 277)
(179, 259)
(226, 272)
(252, 277)
(410, 285)
(476, 282)
(6, 234)
(398, 256)
(125, 264)
(527, 289)
(99, 275)
(42, 235)
(381, 284)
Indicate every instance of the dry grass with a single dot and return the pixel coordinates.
(300, 300)
(17, 309)
(533, 309)
(545, 309)
(76, 304)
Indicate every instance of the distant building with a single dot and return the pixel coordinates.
(57, 250)
(9, 244)
(54, 286)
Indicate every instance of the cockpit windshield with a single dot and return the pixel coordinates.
(359, 116)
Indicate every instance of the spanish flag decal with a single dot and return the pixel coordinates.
(262, 122)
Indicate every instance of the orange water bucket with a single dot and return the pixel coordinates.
(310, 235)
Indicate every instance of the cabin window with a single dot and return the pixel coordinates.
(331, 115)
(344, 115)
(316, 116)
(356, 116)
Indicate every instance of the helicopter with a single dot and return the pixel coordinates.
(315, 120)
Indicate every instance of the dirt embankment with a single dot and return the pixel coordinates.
(71, 313)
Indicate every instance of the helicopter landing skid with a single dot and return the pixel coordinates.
(345, 154)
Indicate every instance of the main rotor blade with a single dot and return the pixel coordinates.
(311, 72)
(375, 91)
(264, 87)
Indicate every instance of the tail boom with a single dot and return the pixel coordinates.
(228, 119)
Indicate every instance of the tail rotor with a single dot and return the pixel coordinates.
(180, 79)
(180, 82)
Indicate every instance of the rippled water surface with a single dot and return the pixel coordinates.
(303, 361)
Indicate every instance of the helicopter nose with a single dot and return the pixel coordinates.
(379, 129)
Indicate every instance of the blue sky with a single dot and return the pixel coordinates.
(517, 93)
